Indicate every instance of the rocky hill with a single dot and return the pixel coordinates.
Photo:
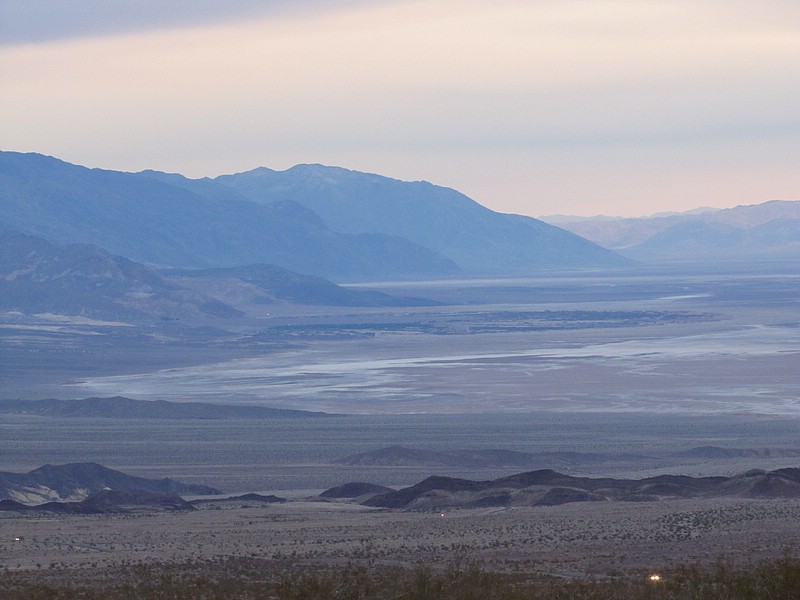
(104, 502)
(75, 482)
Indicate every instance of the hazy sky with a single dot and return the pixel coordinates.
(623, 107)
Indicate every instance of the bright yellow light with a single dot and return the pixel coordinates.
(655, 578)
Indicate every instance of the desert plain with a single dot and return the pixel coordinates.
(608, 376)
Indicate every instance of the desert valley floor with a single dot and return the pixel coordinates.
(625, 376)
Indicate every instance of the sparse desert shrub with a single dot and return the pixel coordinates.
(244, 578)
(457, 582)
(776, 580)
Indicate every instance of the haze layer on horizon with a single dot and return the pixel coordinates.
(624, 107)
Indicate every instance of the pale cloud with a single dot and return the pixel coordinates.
(33, 21)
(621, 106)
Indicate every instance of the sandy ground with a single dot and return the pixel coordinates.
(577, 540)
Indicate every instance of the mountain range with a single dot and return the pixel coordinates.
(548, 488)
(154, 247)
(768, 231)
(316, 220)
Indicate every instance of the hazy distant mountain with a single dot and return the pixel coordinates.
(119, 407)
(479, 240)
(173, 222)
(716, 452)
(401, 456)
(699, 241)
(763, 231)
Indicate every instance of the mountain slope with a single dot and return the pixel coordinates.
(81, 279)
(162, 221)
(268, 284)
(477, 239)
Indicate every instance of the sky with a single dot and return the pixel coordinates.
(579, 107)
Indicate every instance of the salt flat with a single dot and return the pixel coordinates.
(701, 359)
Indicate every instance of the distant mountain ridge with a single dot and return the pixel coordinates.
(119, 407)
(324, 221)
(402, 456)
(770, 230)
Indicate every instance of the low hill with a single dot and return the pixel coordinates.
(250, 497)
(77, 481)
(355, 489)
(546, 488)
